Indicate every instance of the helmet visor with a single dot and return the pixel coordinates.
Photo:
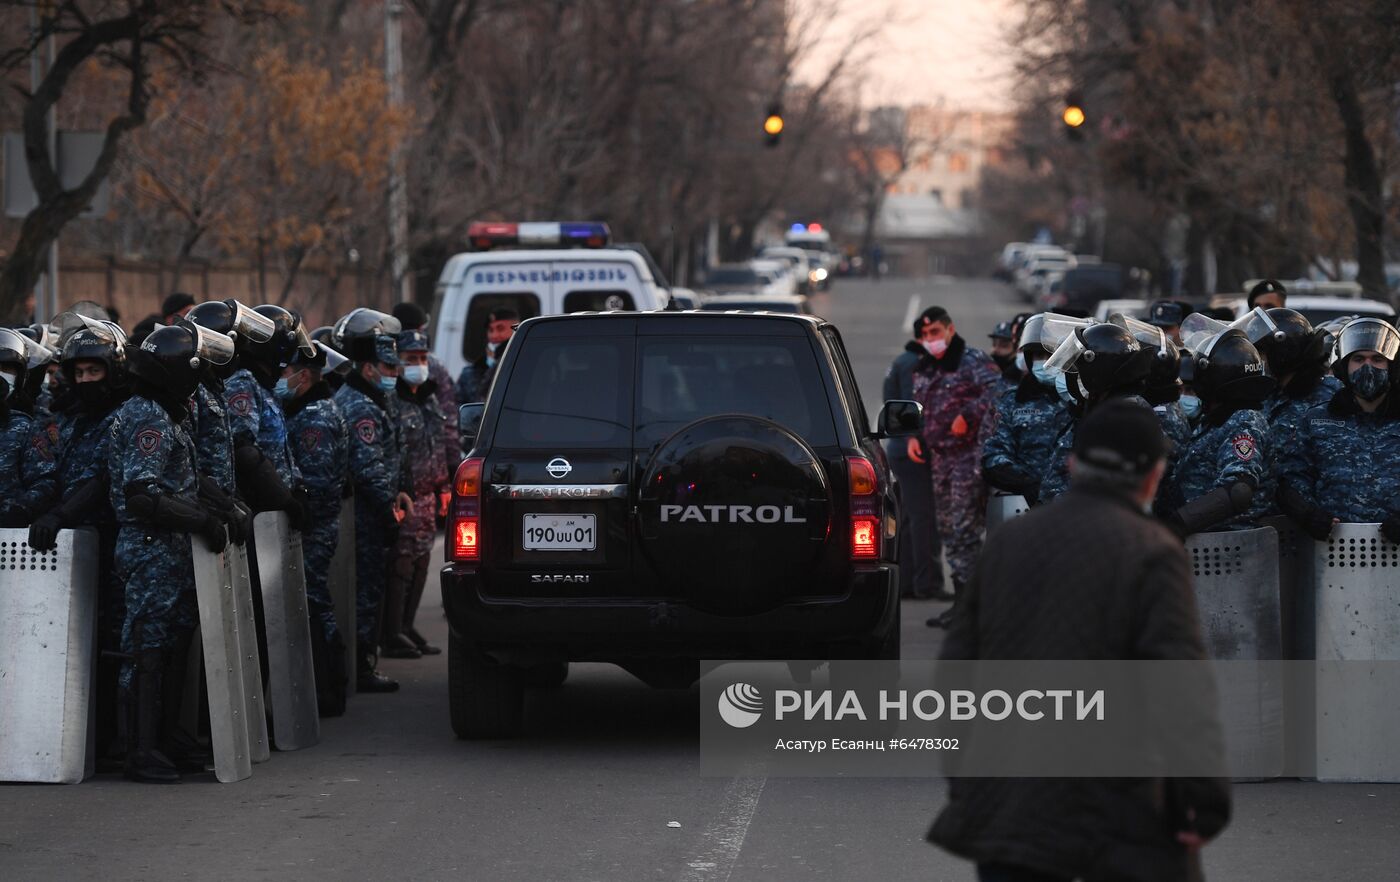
(1368, 334)
(1065, 358)
(362, 321)
(1151, 336)
(1197, 329)
(211, 346)
(1258, 326)
(247, 323)
(1055, 329)
(335, 362)
(304, 341)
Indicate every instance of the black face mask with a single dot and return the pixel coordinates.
(1004, 361)
(92, 396)
(1369, 382)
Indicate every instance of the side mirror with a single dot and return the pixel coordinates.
(899, 419)
(469, 423)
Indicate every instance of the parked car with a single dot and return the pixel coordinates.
(788, 303)
(1084, 286)
(805, 268)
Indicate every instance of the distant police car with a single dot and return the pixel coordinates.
(652, 489)
(535, 269)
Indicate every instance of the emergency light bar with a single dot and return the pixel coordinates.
(485, 235)
(805, 228)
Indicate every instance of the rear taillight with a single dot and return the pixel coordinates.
(865, 509)
(466, 511)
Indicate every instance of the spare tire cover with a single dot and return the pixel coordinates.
(734, 511)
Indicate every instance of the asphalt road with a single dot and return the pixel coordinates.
(606, 784)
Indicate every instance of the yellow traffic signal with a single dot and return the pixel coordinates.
(1073, 116)
(773, 125)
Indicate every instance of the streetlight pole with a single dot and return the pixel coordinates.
(398, 196)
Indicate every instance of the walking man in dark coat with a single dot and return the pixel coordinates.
(1039, 593)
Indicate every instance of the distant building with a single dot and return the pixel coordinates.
(955, 146)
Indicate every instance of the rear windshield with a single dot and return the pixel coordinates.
(569, 393)
(482, 304)
(731, 277)
(683, 380)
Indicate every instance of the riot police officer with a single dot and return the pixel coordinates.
(28, 466)
(1297, 358)
(1223, 477)
(413, 318)
(426, 451)
(154, 493)
(1030, 417)
(317, 434)
(376, 471)
(1095, 363)
(1340, 465)
(267, 473)
(1003, 352)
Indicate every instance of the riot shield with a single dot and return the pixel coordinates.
(48, 636)
(236, 559)
(1356, 579)
(1236, 577)
(341, 581)
(291, 678)
(1002, 508)
(223, 664)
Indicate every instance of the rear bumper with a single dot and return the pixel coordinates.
(542, 629)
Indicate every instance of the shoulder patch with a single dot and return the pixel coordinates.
(53, 433)
(365, 430)
(148, 441)
(241, 403)
(42, 445)
(310, 439)
(1244, 447)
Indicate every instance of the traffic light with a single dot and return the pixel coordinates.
(773, 125)
(1073, 116)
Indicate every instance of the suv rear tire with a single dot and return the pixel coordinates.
(486, 699)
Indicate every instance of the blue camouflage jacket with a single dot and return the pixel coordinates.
(375, 460)
(1223, 449)
(1285, 408)
(149, 448)
(213, 438)
(420, 430)
(1175, 425)
(255, 415)
(83, 442)
(28, 465)
(1344, 460)
(1056, 478)
(1030, 419)
(317, 432)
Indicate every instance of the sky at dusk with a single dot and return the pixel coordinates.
(926, 49)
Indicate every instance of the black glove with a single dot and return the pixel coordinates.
(1390, 528)
(213, 533)
(296, 509)
(13, 514)
(43, 533)
(1317, 524)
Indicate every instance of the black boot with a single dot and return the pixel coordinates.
(367, 679)
(184, 748)
(399, 646)
(328, 660)
(144, 760)
(421, 642)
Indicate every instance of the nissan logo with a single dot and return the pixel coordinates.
(558, 467)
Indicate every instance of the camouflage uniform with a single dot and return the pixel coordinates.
(475, 381)
(1030, 418)
(419, 421)
(28, 469)
(1056, 480)
(147, 447)
(375, 468)
(1223, 450)
(447, 403)
(316, 430)
(1285, 408)
(255, 416)
(1175, 425)
(961, 384)
(213, 438)
(1343, 461)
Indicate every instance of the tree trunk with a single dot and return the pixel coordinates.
(1363, 183)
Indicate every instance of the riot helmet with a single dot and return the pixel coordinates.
(1105, 357)
(168, 360)
(1230, 368)
(87, 340)
(289, 336)
(1368, 334)
(242, 324)
(357, 335)
(1297, 345)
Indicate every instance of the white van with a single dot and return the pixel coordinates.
(548, 269)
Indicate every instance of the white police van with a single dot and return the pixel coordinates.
(535, 269)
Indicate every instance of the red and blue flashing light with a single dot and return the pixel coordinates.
(485, 235)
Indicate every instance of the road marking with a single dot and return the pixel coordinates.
(723, 839)
(912, 311)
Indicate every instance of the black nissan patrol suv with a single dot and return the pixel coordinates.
(652, 489)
